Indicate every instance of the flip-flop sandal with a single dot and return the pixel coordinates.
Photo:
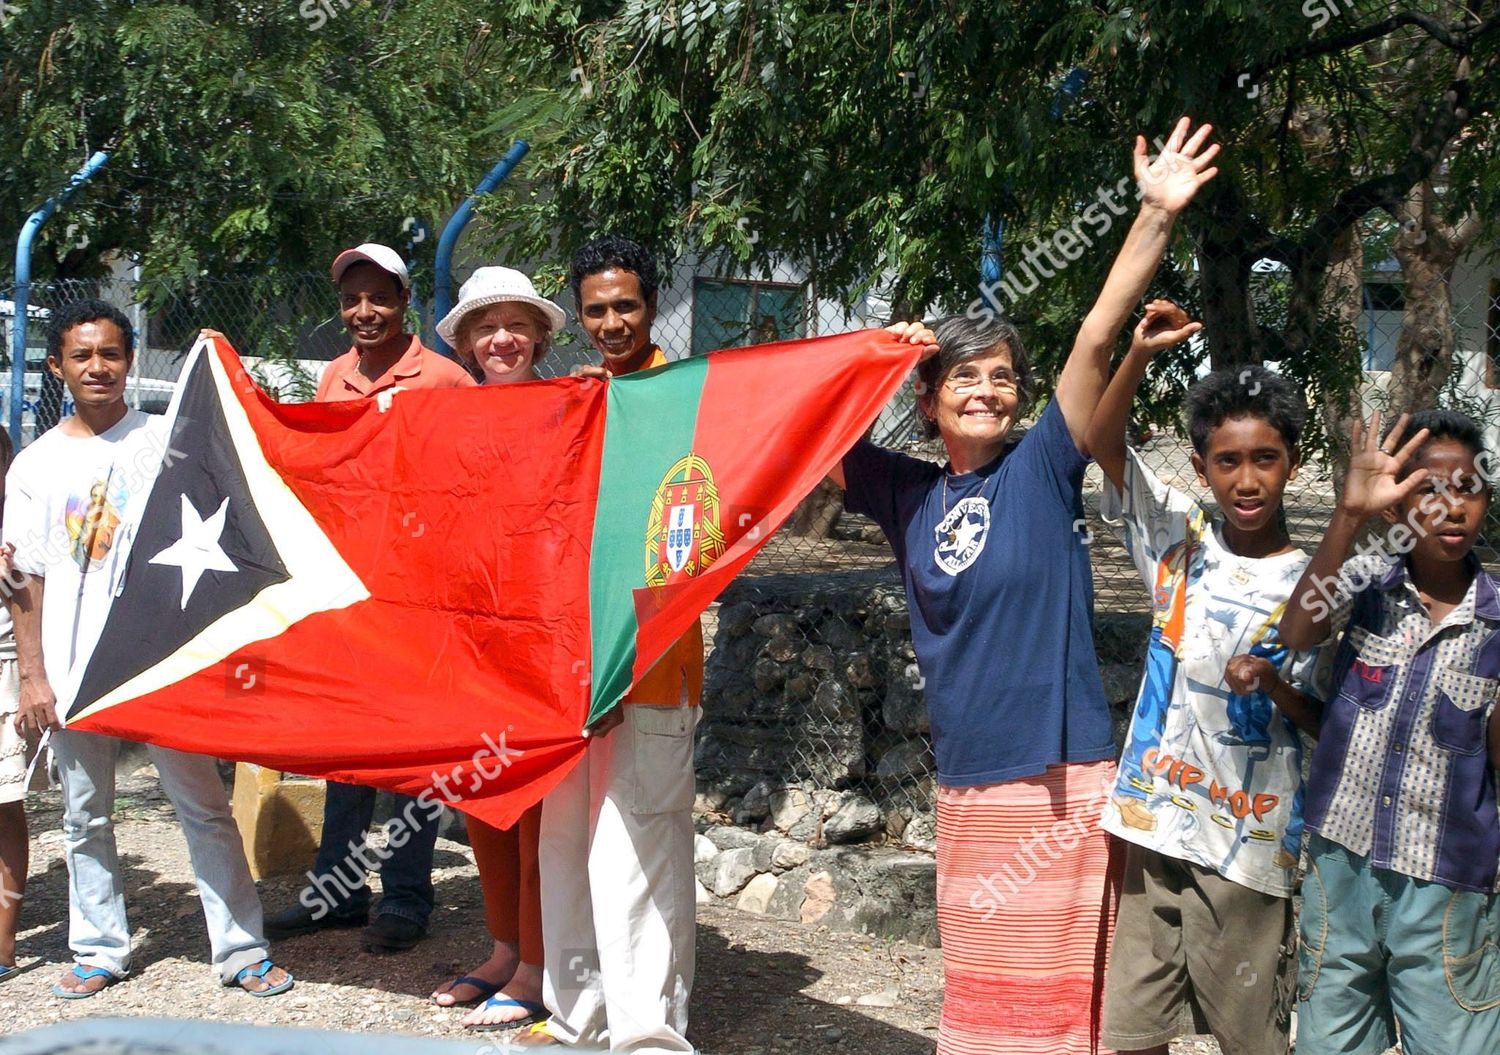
(8, 971)
(83, 974)
(260, 970)
(535, 1013)
(486, 989)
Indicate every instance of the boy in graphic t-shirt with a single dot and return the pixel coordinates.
(1209, 792)
(71, 499)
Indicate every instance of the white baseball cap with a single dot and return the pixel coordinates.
(497, 285)
(382, 256)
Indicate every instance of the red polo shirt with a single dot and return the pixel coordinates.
(418, 367)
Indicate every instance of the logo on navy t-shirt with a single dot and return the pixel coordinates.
(961, 535)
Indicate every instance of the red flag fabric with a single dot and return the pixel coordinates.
(431, 594)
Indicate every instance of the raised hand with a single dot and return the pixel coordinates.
(1163, 325)
(915, 333)
(1170, 180)
(1371, 484)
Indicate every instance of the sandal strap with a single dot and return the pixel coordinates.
(259, 970)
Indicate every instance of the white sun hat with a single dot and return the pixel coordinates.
(382, 256)
(498, 285)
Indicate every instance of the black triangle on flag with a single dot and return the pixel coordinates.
(223, 555)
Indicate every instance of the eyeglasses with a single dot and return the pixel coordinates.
(962, 382)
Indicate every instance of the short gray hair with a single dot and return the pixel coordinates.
(961, 338)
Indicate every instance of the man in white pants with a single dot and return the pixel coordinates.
(616, 852)
(69, 500)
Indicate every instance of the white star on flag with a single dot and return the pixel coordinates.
(198, 549)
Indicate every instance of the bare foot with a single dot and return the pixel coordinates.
(71, 983)
(498, 970)
(251, 983)
(538, 1036)
(524, 988)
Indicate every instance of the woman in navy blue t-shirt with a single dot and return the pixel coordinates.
(992, 548)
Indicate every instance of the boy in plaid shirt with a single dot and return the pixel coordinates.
(1400, 917)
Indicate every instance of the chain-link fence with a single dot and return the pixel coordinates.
(814, 719)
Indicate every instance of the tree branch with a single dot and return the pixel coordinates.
(1388, 191)
(1457, 36)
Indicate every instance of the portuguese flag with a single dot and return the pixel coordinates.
(435, 592)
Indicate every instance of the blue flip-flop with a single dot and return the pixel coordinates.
(535, 1012)
(83, 974)
(260, 970)
(486, 989)
(8, 970)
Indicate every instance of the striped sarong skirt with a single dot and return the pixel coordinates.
(1027, 887)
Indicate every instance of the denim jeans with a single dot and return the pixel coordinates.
(405, 865)
(97, 929)
(1380, 948)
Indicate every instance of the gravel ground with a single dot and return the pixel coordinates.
(763, 985)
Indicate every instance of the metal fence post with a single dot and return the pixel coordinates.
(29, 229)
(442, 283)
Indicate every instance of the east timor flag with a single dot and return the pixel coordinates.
(438, 591)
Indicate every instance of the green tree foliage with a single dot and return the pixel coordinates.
(246, 136)
(868, 139)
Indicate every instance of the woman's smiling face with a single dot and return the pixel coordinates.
(976, 402)
(503, 340)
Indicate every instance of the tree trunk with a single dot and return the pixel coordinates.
(1427, 248)
(1340, 307)
(1229, 323)
(817, 514)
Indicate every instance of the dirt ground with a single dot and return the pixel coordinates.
(763, 986)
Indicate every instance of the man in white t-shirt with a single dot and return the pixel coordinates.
(71, 501)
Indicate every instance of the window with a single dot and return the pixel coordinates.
(727, 314)
(1384, 304)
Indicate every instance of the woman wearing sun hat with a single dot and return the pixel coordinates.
(500, 327)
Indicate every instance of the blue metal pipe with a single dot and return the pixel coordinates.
(990, 262)
(990, 269)
(442, 284)
(29, 229)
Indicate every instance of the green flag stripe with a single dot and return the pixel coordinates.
(651, 419)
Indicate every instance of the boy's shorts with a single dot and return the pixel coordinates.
(14, 751)
(1197, 953)
(1380, 947)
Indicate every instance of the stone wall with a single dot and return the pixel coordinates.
(815, 767)
(814, 721)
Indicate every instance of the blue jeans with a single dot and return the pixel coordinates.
(98, 932)
(405, 866)
(1379, 947)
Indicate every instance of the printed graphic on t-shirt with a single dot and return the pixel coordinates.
(1209, 775)
(92, 520)
(961, 535)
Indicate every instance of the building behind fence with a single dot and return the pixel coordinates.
(814, 720)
